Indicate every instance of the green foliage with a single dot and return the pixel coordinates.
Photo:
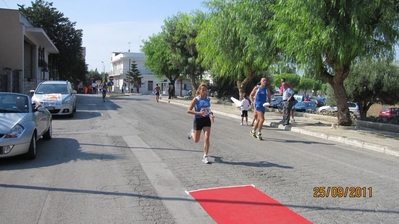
(180, 32)
(158, 57)
(373, 81)
(134, 74)
(327, 36)
(292, 79)
(235, 41)
(93, 74)
(68, 40)
(330, 100)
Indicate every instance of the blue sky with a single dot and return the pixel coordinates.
(109, 26)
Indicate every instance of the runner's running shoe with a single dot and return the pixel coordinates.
(253, 133)
(260, 136)
(205, 159)
(190, 134)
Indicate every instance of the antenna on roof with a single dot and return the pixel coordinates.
(129, 47)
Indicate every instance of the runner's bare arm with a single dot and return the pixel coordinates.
(252, 95)
(190, 108)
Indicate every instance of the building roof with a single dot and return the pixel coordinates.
(39, 36)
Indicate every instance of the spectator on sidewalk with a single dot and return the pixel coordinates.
(288, 99)
(244, 109)
(170, 91)
(281, 93)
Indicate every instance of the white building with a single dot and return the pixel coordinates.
(120, 65)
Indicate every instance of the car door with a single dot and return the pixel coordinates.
(40, 121)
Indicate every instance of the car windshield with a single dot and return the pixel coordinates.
(12, 103)
(52, 88)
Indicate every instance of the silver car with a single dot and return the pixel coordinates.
(22, 124)
(57, 96)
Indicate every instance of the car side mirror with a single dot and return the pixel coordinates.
(74, 92)
(41, 109)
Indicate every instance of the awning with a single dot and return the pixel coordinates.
(40, 37)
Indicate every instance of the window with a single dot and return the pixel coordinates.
(150, 85)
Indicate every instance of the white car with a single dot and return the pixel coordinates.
(21, 125)
(352, 106)
(57, 96)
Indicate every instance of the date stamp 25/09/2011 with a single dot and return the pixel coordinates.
(342, 192)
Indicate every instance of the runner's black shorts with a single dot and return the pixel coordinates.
(244, 113)
(202, 122)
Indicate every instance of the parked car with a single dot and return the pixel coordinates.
(389, 112)
(319, 102)
(305, 106)
(22, 124)
(57, 96)
(276, 101)
(352, 106)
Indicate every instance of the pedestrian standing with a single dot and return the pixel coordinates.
(94, 87)
(201, 108)
(259, 95)
(281, 93)
(244, 109)
(170, 91)
(288, 99)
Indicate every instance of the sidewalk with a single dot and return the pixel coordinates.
(319, 126)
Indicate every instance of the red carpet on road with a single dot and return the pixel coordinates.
(244, 204)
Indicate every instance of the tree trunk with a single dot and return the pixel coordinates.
(241, 85)
(194, 84)
(337, 84)
(343, 115)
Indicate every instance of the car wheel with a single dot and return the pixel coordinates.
(74, 108)
(31, 154)
(49, 133)
(71, 115)
(324, 112)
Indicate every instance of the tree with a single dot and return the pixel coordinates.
(69, 62)
(158, 57)
(327, 36)
(180, 32)
(373, 81)
(134, 74)
(235, 42)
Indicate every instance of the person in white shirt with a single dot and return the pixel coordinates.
(94, 89)
(244, 109)
(288, 98)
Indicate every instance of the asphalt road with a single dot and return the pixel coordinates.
(128, 160)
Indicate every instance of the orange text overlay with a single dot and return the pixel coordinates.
(342, 192)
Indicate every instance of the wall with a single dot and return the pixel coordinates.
(11, 40)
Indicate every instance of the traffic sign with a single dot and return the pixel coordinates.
(111, 78)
